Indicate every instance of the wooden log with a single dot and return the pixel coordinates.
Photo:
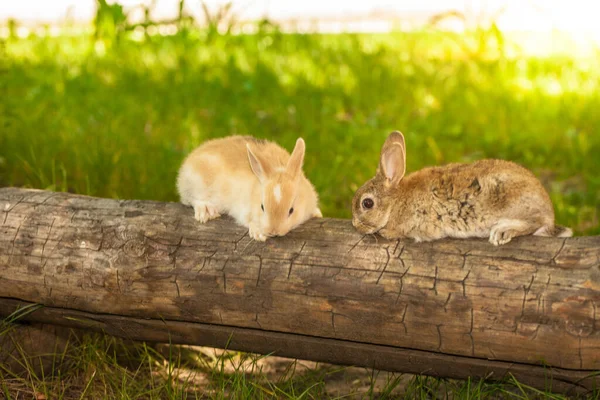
(453, 308)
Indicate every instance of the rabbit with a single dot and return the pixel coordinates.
(489, 198)
(255, 181)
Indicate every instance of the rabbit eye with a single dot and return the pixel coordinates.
(262, 207)
(291, 211)
(368, 203)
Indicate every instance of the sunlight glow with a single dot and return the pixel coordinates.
(535, 20)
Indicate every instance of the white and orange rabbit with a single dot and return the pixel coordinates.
(492, 199)
(253, 180)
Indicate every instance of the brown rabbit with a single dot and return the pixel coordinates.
(488, 198)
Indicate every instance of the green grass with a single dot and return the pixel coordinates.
(116, 120)
(93, 366)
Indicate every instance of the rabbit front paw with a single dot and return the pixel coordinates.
(255, 233)
(506, 229)
(204, 212)
(499, 237)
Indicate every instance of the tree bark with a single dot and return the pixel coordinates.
(454, 308)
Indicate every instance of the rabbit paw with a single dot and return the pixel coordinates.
(204, 212)
(388, 234)
(499, 237)
(505, 230)
(256, 234)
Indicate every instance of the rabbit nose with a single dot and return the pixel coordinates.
(278, 232)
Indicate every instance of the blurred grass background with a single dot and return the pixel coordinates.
(114, 118)
(112, 113)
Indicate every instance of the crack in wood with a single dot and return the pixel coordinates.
(225, 264)
(333, 322)
(401, 284)
(471, 332)
(118, 282)
(177, 286)
(356, 244)
(12, 249)
(387, 251)
(526, 290)
(464, 262)
(45, 242)
(446, 302)
(535, 332)
(439, 332)
(260, 264)
(322, 224)
(6, 212)
(553, 260)
(435, 280)
(235, 244)
(511, 258)
(464, 283)
(56, 246)
(50, 197)
(339, 271)
(207, 259)
(342, 267)
(294, 258)
(256, 320)
(308, 294)
(400, 257)
(177, 247)
(73, 217)
(403, 318)
(100, 248)
(396, 247)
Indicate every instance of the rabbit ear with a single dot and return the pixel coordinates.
(395, 137)
(393, 158)
(294, 165)
(258, 167)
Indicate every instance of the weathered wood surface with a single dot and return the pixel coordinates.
(457, 308)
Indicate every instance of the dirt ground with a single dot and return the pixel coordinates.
(339, 381)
